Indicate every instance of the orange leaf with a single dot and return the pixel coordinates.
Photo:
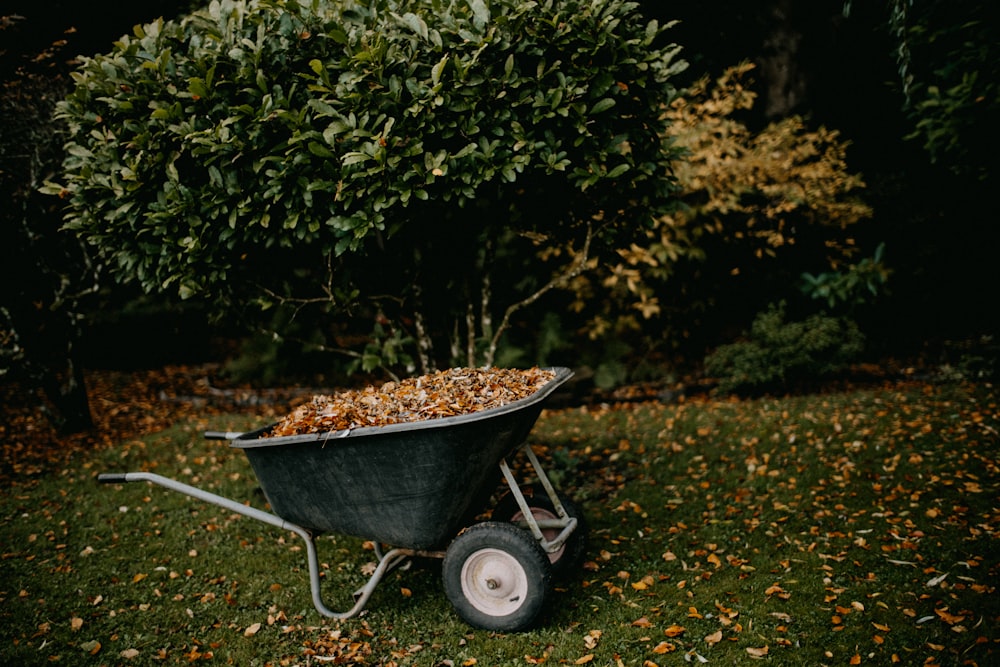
(584, 660)
(664, 647)
(714, 638)
(950, 619)
(855, 659)
(757, 652)
(674, 631)
(642, 623)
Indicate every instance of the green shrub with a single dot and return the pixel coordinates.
(373, 158)
(780, 354)
(852, 285)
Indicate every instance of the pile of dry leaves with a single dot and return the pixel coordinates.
(448, 393)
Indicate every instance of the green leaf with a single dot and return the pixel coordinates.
(197, 87)
(414, 23)
(601, 106)
(437, 70)
(618, 171)
(319, 150)
(480, 13)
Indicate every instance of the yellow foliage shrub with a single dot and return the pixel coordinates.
(757, 191)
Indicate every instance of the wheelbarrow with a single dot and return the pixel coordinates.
(416, 489)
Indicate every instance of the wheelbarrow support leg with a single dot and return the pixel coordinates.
(565, 524)
(386, 562)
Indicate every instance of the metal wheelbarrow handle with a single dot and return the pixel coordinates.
(386, 562)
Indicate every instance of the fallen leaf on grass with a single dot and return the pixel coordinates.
(252, 630)
(91, 647)
(674, 631)
(129, 653)
(76, 623)
(757, 652)
(584, 660)
(664, 647)
(931, 583)
(714, 638)
(775, 589)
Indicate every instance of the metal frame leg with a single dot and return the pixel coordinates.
(565, 523)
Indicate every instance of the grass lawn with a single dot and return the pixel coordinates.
(834, 529)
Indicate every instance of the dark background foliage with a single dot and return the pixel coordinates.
(932, 202)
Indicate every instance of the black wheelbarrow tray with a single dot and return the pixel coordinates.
(417, 489)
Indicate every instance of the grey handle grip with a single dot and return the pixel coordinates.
(222, 435)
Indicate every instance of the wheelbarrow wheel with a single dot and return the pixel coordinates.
(570, 554)
(496, 576)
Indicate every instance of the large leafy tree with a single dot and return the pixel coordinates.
(393, 161)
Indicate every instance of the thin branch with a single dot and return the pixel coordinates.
(574, 269)
(274, 335)
(425, 346)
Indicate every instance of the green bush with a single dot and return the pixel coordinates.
(330, 153)
(780, 354)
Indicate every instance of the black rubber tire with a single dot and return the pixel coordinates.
(571, 554)
(496, 576)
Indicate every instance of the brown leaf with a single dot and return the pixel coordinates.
(664, 647)
(674, 631)
(76, 623)
(714, 638)
(451, 392)
(950, 619)
(252, 630)
(757, 652)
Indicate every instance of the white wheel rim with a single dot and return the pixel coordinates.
(494, 582)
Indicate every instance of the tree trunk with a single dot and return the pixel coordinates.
(783, 79)
(67, 392)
